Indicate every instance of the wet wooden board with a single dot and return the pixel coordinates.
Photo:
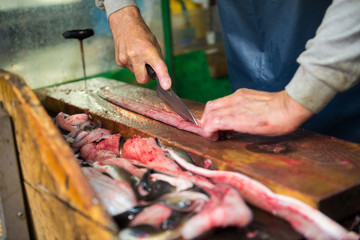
(62, 203)
(320, 170)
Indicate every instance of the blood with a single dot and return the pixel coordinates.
(112, 144)
(146, 151)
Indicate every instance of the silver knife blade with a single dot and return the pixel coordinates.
(171, 99)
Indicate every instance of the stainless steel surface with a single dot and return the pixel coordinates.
(171, 98)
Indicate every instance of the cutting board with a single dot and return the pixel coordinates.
(319, 170)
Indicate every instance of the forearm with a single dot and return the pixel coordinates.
(331, 61)
(111, 6)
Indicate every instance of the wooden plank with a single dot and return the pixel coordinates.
(56, 220)
(11, 191)
(314, 168)
(47, 162)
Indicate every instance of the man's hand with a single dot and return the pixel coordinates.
(254, 112)
(135, 46)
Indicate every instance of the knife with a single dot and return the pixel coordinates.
(170, 98)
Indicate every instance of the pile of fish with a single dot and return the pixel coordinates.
(156, 192)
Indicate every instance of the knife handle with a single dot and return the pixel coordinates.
(79, 34)
(150, 71)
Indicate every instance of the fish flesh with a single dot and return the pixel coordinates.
(149, 232)
(78, 119)
(308, 221)
(149, 154)
(125, 164)
(185, 201)
(89, 153)
(146, 151)
(207, 198)
(116, 196)
(94, 135)
(224, 208)
(152, 215)
(61, 122)
(180, 184)
(112, 143)
(156, 113)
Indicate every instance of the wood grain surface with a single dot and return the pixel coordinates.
(320, 170)
(63, 205)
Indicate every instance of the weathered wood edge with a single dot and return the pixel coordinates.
(46, 160)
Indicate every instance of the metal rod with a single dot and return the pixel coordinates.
(83, 62)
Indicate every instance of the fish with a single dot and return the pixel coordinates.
(117, 196)
(125, 164)
(183, 154)
(116, 173)
(152, 215)
(73, 122)
(180, 184)
(123, 219)
(149, 232)
(147, 152)
(61, 122)
(89, 153)
(224, 208)
(156, 113)
(149, 190)
(112, 143)
(185, 201)
(306, 220)
(92, 136)
(78, 119)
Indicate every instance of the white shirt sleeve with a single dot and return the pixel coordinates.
(331, 61)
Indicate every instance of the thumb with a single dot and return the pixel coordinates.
(162, 72)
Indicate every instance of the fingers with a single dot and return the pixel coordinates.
(254, 112)
(162, 72)
(141, 73)
(222, 119)
(159, 67)
(135, 45)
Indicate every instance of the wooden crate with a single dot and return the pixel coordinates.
(62, 203)
(319, 170)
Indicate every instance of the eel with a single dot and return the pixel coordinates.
(305, 219)
(89, 153)
(94, 135)
(146, 151)
(77, 119)
(111, 143)
(125, 164)
(225, 208)
(156, 113)
(72, 122)
(152, 215)
(116, 196)
(61, 122)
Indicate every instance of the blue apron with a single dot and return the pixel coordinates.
(262, 41)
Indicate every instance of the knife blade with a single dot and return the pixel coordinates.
(170, 98)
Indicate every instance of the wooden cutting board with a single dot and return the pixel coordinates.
(320, 170)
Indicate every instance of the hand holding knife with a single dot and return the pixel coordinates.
(171, 99)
